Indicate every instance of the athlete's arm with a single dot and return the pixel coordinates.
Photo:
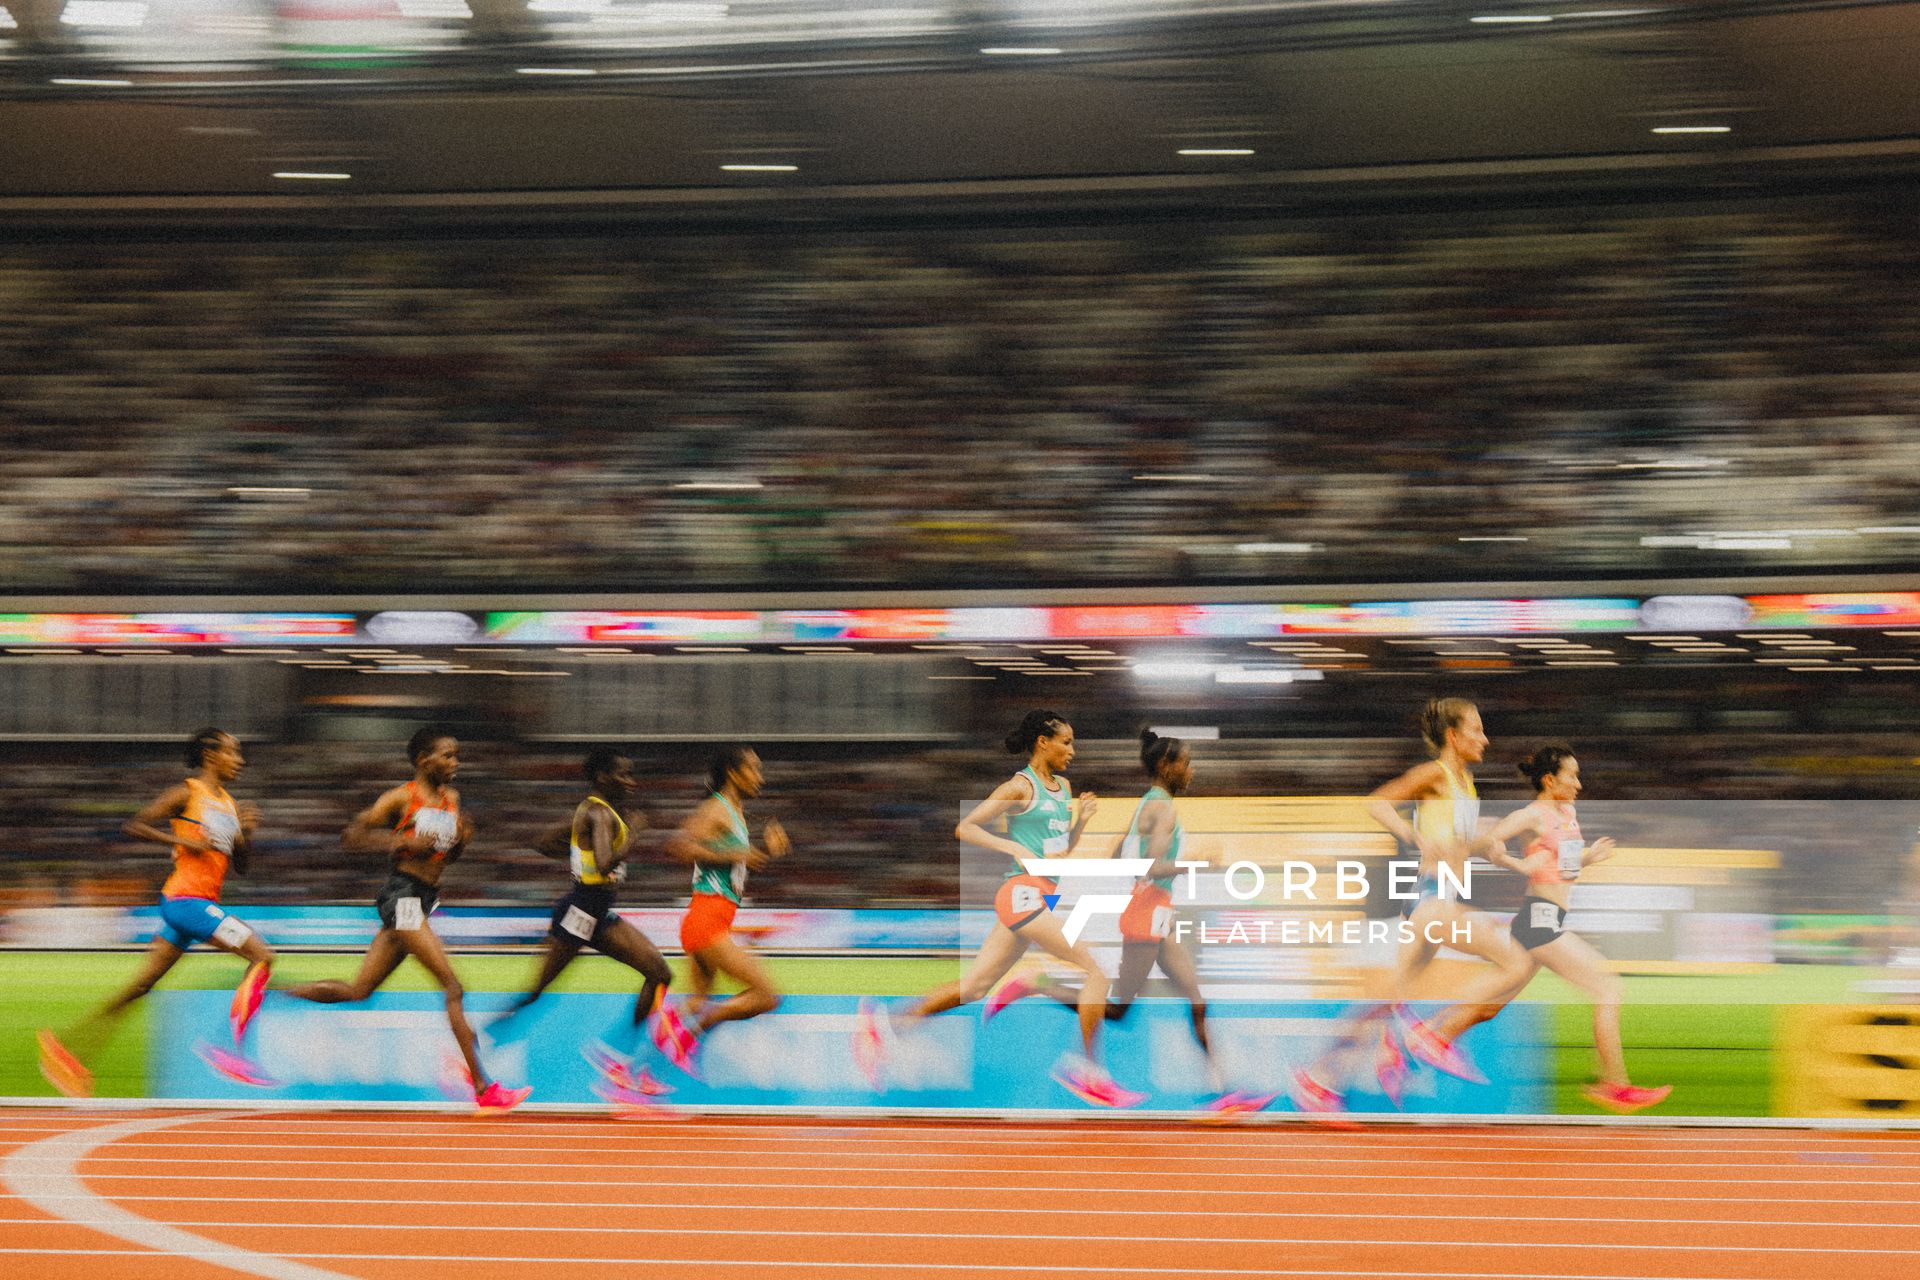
(692, 843)
(1384, 805)
(1492, 845)
(972, 829)
(168, 805)
(1599, 851)
(600, 832)
(1156, 838)
(462, 829)
(1089, 802)
(240, 857)
(557, 843)
(371, 830)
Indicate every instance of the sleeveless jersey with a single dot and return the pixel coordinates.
(428, 820)
(1045, 827)
(1452, 817)
(1134, 846)
(719, 878)
(582, 860)
(209, 816)
(1559, 835)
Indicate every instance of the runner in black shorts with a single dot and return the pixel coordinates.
(419, 826)
(595, 845)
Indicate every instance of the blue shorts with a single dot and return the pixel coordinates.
(185, 921)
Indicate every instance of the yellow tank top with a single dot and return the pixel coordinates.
(1452, 816)
(585, 866)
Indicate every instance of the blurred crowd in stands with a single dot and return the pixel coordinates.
(1626, 391)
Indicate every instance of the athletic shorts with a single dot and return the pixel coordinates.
(709, 918)
(584, 915)
(1538, 922)
(405, 903)
(185, 921)
(1148, 916)
(1022, 900)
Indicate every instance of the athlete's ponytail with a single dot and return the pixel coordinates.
(1440, 715)
(1034, 726)
(1156, 751)
(1544, 763)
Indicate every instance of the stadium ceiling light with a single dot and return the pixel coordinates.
(295, 175)
(760, 168)
(1491, 538)
(80, 82)
(555, 71)
(1020, 51)
(1508, 19)
(1693, 128)
(1215, 151)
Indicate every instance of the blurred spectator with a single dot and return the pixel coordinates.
(966, 409)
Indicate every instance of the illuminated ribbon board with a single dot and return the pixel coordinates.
(1566, 615)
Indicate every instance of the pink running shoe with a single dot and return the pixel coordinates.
(642, 1082)
(246, 1000)
(1314, 1098)
(869, 1044)
(1017, 989)
(674, 1038)
(1441, 1055)
(497, 1097)
(1390, 1064)
(1091, 1084)
(1625, 1099)
(235, 1067)
(62, 1070)
(1238, 1102)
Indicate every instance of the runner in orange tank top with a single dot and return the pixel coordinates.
(207, 833)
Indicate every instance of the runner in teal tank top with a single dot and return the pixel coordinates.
(1037, 805)
(715, 841)
(1147, 934)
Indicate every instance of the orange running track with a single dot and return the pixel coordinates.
(156, 1195)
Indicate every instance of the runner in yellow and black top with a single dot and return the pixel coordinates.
(207, 832)
(716, 842)
(1146, 925)
(596, 845)
(418, 825)
(1037, 803)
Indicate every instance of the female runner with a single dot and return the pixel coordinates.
(1446, 817)
(715, 841)
(1554, 857)
(418, 825)
(1037, 803)
(595, 844)
(207, 832)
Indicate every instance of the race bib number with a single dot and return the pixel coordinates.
(578, 923)
(1053, 846)
(1545, 916)
(407, 914)
(221, 829)
(232, 933)
(1026, 898)
(1162, 922)
(1571, 852)
(441, 824)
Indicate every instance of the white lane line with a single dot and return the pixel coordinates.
(1024, 1268)
(1481, 1155)
(1397, 1193)
(44, 1175)
(410, 1161)
(1079, 1237)
(1054, 1211)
